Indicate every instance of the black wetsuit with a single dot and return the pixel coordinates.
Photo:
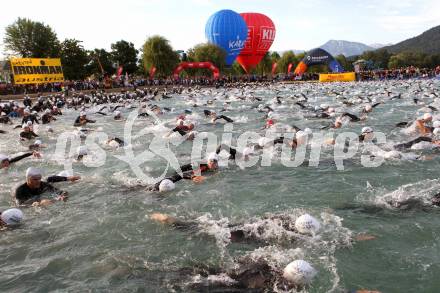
(28, 135)
(26, 195)
(180, 130)
(47, 118)
(409, 144)
(31, 118)
(353, 118)
(5, 120)
(78, 119)
(227, 119)
(19, 158)
(232, 152)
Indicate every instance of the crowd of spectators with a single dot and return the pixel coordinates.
(137, 81)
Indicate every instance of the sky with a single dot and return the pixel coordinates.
(301, 25)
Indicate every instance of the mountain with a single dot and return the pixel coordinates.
(378, 46)
(428, 43)
(345, 48)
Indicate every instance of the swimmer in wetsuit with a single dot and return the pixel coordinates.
(82, 120)
(29, 193)
(27, 133)
(5, 161)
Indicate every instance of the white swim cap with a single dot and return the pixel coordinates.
(427, 116)
(301, 134)
(436, 124)
(24, 126)
(247, 151)
(308, 131)
(33, 172)
(212, 157)
(368, 107)
(38, 142)
(82, 150)
(3, 158)
(436, 131)
(367, 130)
(49, 128)
(47, 111)
(263, 141)
(117, 113)
(306, 224)
(299, 272)
(29, 123)
(12, 217)
(166, 185)
(317, 108)
(324, 106)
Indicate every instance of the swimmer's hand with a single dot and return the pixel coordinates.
(198, 179)
(62, 197)
(365, 237)
(162, 218)
(42, 203)
(36, 154)
(73, 178)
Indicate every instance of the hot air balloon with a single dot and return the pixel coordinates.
(261, 34)
(228, 30)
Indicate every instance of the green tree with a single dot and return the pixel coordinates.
(125, 54)
(287, 58)
(100, 58)
(380, 58)
(31, 39)
(264, 67)
(347, 65)
(74, 59)
(158, 52)
(275, 57)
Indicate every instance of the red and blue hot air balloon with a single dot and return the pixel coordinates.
(228, 30)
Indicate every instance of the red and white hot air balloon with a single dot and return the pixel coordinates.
(261, 34)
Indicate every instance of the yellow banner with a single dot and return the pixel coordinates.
(347, 76)
(36, 70)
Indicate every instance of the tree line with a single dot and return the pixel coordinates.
(32, 39)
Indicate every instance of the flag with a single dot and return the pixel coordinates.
(119, 72)
(274, 68)
(289, 68)
(152, 71)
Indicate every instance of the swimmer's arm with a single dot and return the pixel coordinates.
(21, 157)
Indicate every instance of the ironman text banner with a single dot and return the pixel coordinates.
(36, 70)
(348, 76)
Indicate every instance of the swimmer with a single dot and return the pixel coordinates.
(27, 133)
(5, 161)
(115, 141)
(11, 218)
(421, 124)
(195, 174)
(36, 146)
(409, 144)
(47, 117)
(29, 193)
(82, 120)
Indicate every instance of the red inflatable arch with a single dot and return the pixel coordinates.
(207, 65)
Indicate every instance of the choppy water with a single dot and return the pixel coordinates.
(102, 239)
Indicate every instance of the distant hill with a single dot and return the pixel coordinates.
(378, 46)
(345, 48)
(428, 43)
